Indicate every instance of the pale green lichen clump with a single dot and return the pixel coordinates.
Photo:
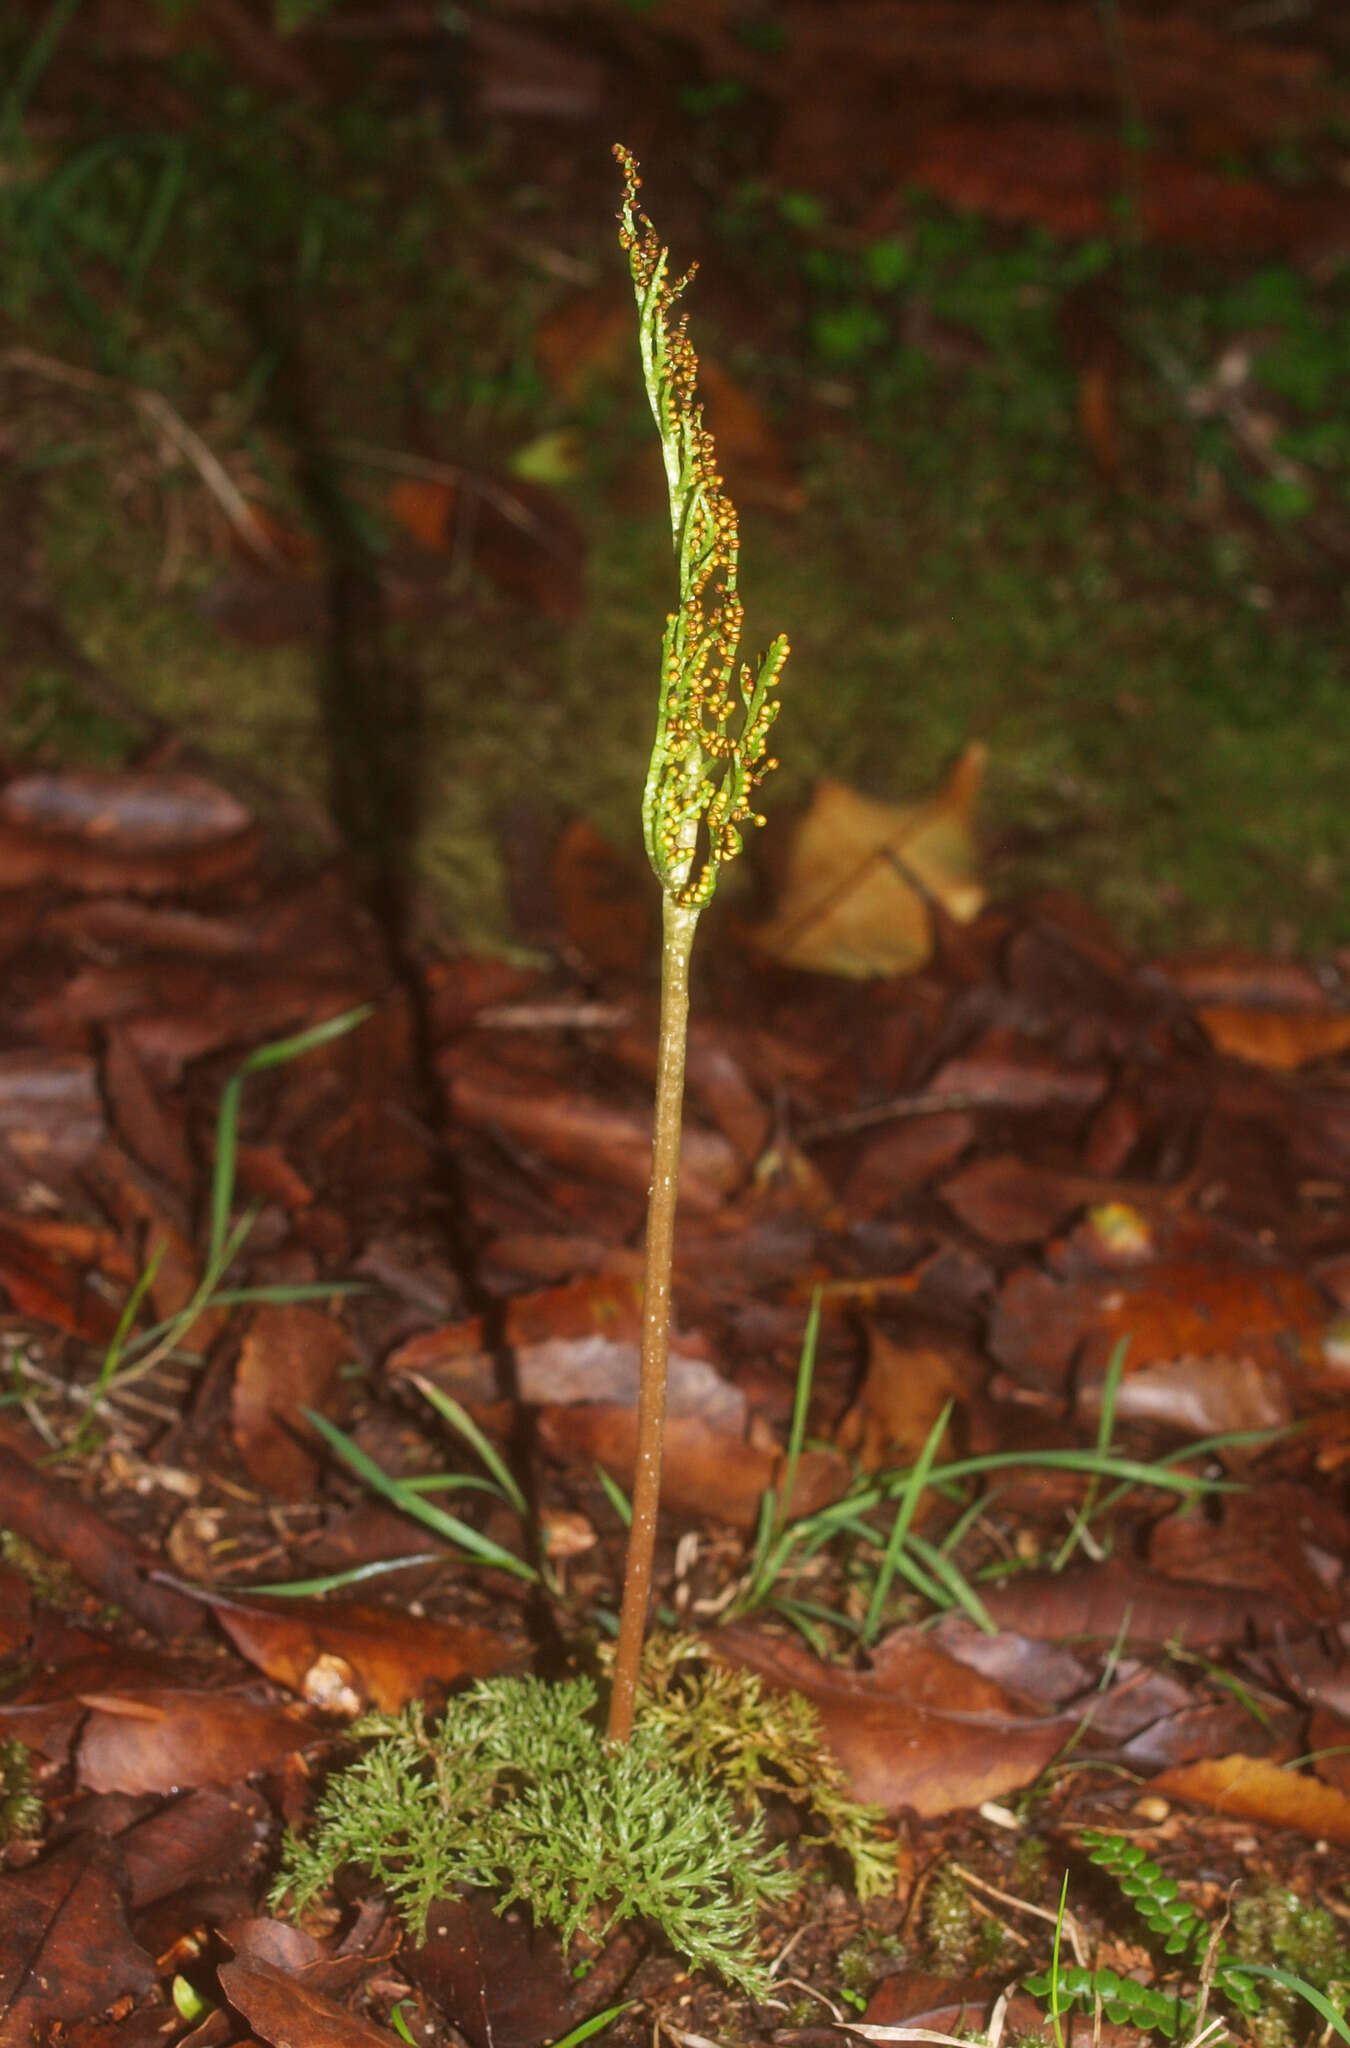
(702, 775)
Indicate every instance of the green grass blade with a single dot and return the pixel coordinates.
(121, 1336)
(459, 1419)
(159, 212)
(226, 1151)
(36, 58)
(954, 1582)
(449, 1526)
(452, 1482)
(593, 2025)
(1132, 1470)
(1301, 1988)
(281, 1293)
(907, 1567)
(111, 1365)
(224, 1163)
(803, 1616)
(336, 1582)
(616, 1496)
(801, 1401)
(282, 1050)
(1106, 1422)
(905, 1513)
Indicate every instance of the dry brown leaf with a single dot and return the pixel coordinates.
(58, 1274)
(287, 2007)
(1232, 978)
(1119, 1600)
(1253, 1788)
(1279, 1537)
(501, 1981)
(1008, 1201)
(346, 1655)
(1328, 1736)
(606, 906)
(577, 1342)
(65, 1947)
(758, 471)
(210, 1832)
(288, 1362)
(573, 1354)
(1283, 1040)
(900, 1160)
(1196, 1397)
(919, 1731)
(518, 533)
(583, 1132)
(587, 340)
(1010, 1070)
(50, 1513)
(169, 1737)
(1169, 1310)
(51, 1117)
(138, 831)
(706, 1468)
(861, 872)
(907, 1385)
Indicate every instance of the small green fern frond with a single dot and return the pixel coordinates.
(1122, 2000)
(1179, 1927)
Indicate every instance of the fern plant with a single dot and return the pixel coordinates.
(708, 758)
(1186, 1937)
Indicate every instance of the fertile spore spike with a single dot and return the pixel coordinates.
(699, 784)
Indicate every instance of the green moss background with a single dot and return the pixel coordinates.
(1158, 664)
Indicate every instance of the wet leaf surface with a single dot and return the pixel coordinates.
(163, 1741)
(66, 1950)
(919, 1732)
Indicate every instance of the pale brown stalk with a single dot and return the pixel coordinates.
(678, 925)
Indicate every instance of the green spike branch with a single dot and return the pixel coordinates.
(708, 758)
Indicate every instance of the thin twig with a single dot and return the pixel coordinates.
(1071, 1927)
(155, 408)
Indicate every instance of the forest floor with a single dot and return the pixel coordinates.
(1013, 1269)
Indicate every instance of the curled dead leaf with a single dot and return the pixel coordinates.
(920, 1730)
(1257, 1789)
(861, 875)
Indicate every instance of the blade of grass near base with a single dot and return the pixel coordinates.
(615, 1495)
(593, 2025)
(773, 1542)
(35, 60)
(1301, 1988)
(227, 1118)
(960, 1593)
(1106, 1422)
(335, 1582)
(410, 1503)
(915, 1485)
(459, 1419)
